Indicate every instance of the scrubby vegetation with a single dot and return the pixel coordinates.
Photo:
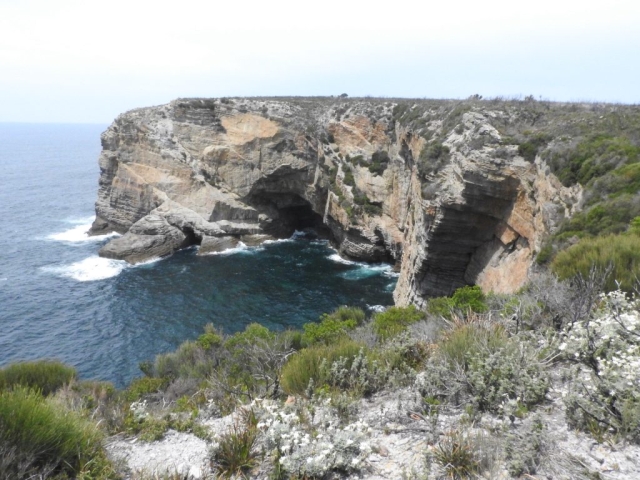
(621, 252)
(45, 376)
(476, 383)
(39, 436)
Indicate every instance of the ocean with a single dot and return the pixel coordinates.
(58, 299)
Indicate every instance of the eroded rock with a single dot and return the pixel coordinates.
(210, 171)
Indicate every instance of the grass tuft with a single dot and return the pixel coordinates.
(47, 376)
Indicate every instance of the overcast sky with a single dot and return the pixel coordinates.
(88, 61)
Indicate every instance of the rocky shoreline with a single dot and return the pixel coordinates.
(450, 200)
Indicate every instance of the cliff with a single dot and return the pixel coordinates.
(441, 188)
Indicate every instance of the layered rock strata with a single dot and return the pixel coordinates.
(449, 204)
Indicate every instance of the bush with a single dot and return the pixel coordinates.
(463, 300)
(311, 363)
(525, 449)
(190, 360)
(610, 216)
(301, 453)
(332, 326)
(605, 395)
(379, 162)
(143, 386)
(593, 158)
(465, 341)
(244, 365)
(38, 437)
(395, 320)
(481, 365)
(457, 455)
(348, 178)
(529, 149)
(622, 252)
(47, 376)
(210, 338)
(234, 453)
(432, 158)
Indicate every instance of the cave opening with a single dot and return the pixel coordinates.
(288, 213)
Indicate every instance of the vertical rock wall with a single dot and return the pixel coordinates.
(198, 170)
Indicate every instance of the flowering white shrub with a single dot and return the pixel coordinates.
(310, 452)
(139, 410)
(606, 387)
(486, 378)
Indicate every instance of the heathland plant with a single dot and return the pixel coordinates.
(234, 452)
(47, 376)
(605, 347)
(395, 320)
(463, 300)
(246, 364)
(456, 453)
(301, 453)
(311, 362)
(481, 365)
(39, 438)
(622, 252)
(332, 326)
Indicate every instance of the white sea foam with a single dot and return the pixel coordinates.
(148, 262)
(79, 234)
(278, 240)
(241, 247)
(338, 259)
(364, 269)
(376, 308)
(90, 269)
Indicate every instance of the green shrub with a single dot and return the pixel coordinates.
(210, 338)
(373, 209)
(234, 453)
(466, 341)
(307, 364)
(254, 332)
(332, 326)
(379, 162)
(526, 448)
(510, 373)
(38, 436)
(432, 158)
(529, 149)
(456, 454)
(545, 255)
(190, 360)
(143, 386)
(593, 158)
(620, 251)
(610, 216)
(47, 376)
(395, 320)
(463, 300)
(348, 178)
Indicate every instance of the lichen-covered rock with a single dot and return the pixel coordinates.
(450, 202)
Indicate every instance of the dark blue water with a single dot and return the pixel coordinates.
(58, 299)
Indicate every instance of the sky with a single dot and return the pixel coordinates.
(87, 61)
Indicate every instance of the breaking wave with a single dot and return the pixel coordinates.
(78, 234)
(90, 269)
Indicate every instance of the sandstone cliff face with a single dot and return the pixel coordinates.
(451, 203)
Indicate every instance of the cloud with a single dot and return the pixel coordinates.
(123, 54)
